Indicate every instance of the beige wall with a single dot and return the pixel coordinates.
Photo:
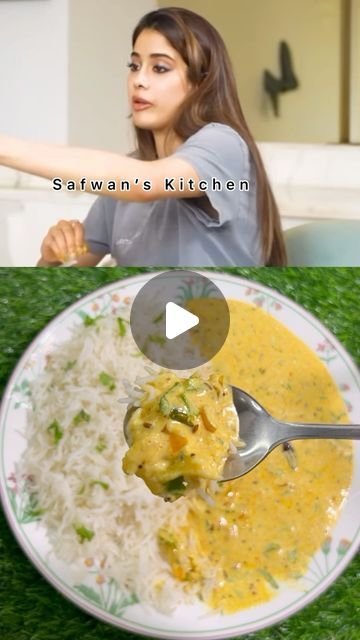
(34, 69)
(355, 73)
(63, 63)
(99, 47)
(252, 30)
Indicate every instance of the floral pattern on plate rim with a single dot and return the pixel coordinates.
(102, 592)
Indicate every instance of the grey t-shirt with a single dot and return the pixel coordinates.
(218, 229)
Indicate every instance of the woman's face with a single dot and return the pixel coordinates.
(157, 82)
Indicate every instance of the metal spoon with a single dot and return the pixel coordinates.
(261, 433)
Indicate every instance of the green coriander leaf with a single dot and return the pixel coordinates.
(101, 445)
(80, 417)
(70, 365)
(122, 326)
(57, 431)
(104, 485)
(107, 380)
(89, 321)
(84, 533)
(157, 339)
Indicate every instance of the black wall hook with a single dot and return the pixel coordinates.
(287, 82)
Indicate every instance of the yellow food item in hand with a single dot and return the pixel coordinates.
(78, 251)
(181, 433)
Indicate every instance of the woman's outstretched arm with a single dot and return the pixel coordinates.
(147, 180)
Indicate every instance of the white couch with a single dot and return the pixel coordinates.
(27, 212)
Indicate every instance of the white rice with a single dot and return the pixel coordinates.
(124, 517)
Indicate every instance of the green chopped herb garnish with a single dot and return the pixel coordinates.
(104, 485)
(185, 401)
(209, 526)
(262, 370)
(164, 405)
(84, 533)
(194, 384)
(292, 555)
(177, 485)
(188, 404)
(107, 381)
(122, 326)
(290, 455)
(70, 365)
(184, 413)
(157, 339)
(166, 537)
(269, 578)
(273, 546)
(159, 317)
(80, 417)
(57, 431)
(181, 414)
(89, 321)
(101, 445)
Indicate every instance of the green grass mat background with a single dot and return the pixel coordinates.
(30, 609)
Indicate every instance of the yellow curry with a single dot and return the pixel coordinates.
(264, 527)
(181, 433)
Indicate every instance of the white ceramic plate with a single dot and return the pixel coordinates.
(104, 600)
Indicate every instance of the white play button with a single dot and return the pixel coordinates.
(178, 320)
(165, 330)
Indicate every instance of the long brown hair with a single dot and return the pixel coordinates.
(214, 98)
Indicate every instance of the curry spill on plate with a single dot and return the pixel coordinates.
(233, 548)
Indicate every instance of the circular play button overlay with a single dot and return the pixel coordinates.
(179, 319)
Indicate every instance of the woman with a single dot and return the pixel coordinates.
(195, 192)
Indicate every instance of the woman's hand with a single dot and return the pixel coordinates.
(65, 241)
